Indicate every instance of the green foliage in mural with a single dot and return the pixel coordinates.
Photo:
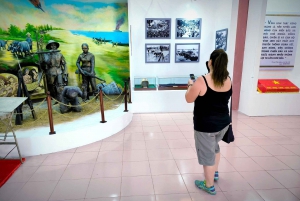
(15, 33)
(103, 26)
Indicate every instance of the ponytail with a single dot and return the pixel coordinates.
(219, 63)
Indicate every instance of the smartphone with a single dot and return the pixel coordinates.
(192, 76)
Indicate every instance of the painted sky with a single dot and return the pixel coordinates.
(88, 15)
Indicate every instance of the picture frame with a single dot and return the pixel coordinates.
(157, 53)
(188, 28)
(221, 39)
(187, 52)
(158, 28)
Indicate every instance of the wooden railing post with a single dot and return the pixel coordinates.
(101, 106)
(129, 90)
(50, 114)
(125, 93)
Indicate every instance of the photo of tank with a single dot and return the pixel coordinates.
(188, 52)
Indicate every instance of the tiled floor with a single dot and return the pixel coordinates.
(154, 159)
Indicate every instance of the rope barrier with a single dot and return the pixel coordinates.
(54, 108)
(74, 105)
(113, 99)
(39, 118)
(43, 121)
(30, 110)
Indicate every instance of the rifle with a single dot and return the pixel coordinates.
(41, 60)
(46, 52)
(91, 75)
(22, 90)
(40, 53)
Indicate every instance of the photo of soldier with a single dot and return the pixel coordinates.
(157, 53)
(221, 39)
(158, 28)
(188, 28)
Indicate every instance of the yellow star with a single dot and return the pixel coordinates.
(276, 82)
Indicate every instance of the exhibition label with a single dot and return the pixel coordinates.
(279, 41)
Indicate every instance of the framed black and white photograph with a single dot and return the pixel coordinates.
(158, 28)
(157, 53)
(221, 39)
(187, 52)
(188, 28)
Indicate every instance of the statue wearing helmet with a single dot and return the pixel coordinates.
(56, 70)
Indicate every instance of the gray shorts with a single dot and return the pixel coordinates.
(207, 146)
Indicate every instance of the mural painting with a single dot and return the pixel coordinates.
(29, 25)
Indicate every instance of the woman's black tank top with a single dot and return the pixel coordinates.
(211, 113)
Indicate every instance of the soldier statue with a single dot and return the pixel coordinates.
(56, 70)
(70, 96)
(87, 69)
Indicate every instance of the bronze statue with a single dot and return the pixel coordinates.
(70, 96)
(56, 70)
(87, 69)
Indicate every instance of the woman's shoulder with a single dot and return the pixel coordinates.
(227, 83)
(228, 79)
(207, 76)
(201, 78)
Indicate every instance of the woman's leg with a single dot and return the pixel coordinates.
(209, 173)
(217, 161)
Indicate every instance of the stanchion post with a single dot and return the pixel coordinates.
(101, 106)
(125, 93)
(50, 114)
(129, 90)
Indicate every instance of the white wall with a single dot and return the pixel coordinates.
(251, 102)
(215, 15)
(139, 10)
(226, 17)
(287, 7)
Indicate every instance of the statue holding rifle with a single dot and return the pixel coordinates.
(56, 70)
(87, 70)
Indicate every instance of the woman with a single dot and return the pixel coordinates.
(87, 60)
(211, 94)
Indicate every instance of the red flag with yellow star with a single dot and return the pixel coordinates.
(276, 86)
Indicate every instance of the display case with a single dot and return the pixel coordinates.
(172, 83)
(144, 83)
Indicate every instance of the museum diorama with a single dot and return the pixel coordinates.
(70, 58)
(79, 57)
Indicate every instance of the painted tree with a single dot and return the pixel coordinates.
(13, 30)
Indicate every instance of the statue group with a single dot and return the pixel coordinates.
(56, 71)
